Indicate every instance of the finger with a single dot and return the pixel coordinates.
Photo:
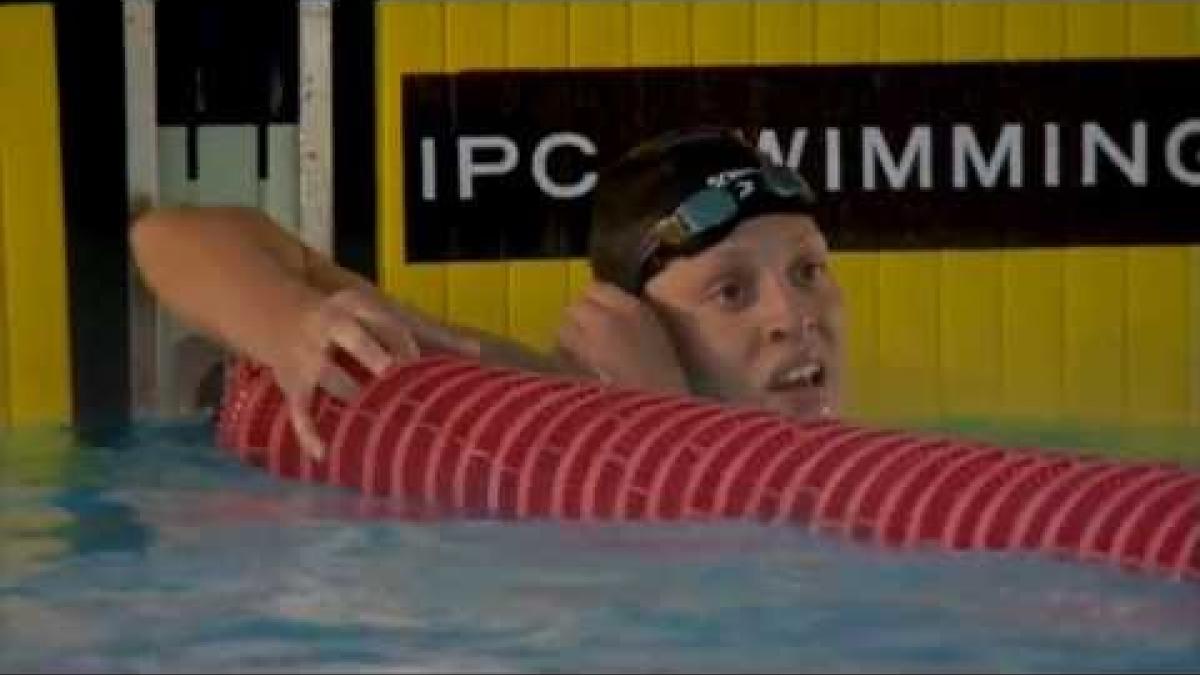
(448, 339)
(338, 383)
(569, 357)
(571, 318)
(399, 341)
(403, 329)
(570, 337)
(435, 334)
(305, 429)
(584, 313)
(594, 334)
(610, 296)
(597, 319)
(572, 351)
(357, 342)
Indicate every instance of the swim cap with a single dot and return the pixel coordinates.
(679, 194)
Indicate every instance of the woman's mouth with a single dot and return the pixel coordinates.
(800, 389)
(800, 376)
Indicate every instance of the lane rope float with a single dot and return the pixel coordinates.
(459, 439)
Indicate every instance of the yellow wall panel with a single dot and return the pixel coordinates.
(411, 40)
(723, 32)
(784, 32)
(909, 283)
(1096, 29)
(1032, 335)
(600, 37)
(1094, 279)
(971, 283)
(539, 291)
(661, 32)
(1162, 28)
(1093, 361)
(1032, 317)
(1193, 334)
(972, 30)
(5, 403)
(1034, 30)
(600, 33)
(910, 31)
(538, 35)
(970, 333)
(847, 32)
(858, 275)
(477, 293)
(1157, 387)
(36, 354)
(579, 275)
(909, 338)
(1162, 303)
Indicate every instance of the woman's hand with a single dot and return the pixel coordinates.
(236, 276)
(373, 330)
(615, 337)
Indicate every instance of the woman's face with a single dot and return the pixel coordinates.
(757, 317)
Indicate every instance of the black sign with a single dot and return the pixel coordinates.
(500, 164)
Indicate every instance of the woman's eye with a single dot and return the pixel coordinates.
(730, 294)
(808, 273)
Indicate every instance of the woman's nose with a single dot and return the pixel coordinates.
(801, 329)
(789, 315)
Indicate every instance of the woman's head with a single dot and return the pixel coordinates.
(724, 245)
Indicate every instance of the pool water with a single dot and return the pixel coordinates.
(146, 549)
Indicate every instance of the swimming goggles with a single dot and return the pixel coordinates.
(711, 213)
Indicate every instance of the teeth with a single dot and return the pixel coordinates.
(805, 374)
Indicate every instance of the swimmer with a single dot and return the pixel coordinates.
(711, 278)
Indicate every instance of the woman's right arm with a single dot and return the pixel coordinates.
(235, 275)
(230, 273)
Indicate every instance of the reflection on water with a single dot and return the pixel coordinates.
(151, 551)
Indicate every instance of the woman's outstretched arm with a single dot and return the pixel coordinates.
(235, 275)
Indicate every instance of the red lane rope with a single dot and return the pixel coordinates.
(462, 439)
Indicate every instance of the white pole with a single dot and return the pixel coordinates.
(141, 134)
(316, 124)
